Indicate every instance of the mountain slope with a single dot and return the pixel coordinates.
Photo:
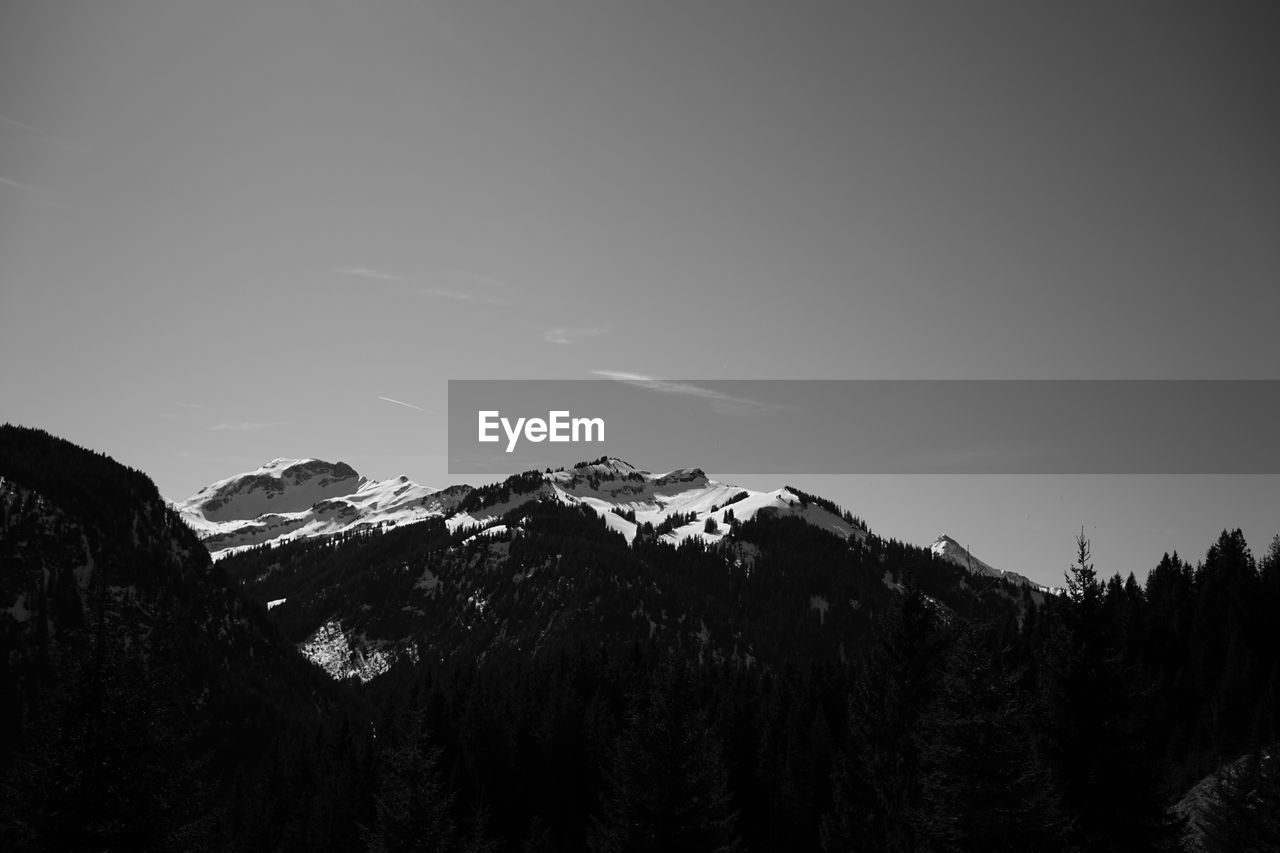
(952, 551)
(146, 704)
(675, 558)
(608, 552)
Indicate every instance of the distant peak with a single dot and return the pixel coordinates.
(284, 463)
(945, 546)
(612, 463)
(683, 474)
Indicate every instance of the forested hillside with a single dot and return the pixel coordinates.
(550, 686)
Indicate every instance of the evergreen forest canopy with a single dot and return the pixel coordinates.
(151, 702)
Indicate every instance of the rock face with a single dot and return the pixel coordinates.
(280, 486)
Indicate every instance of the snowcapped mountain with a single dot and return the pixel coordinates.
(541, 559)
(295, 498)
(288, 499)
(949, 549)
(678, 504)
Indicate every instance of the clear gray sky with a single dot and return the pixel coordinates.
(228, 230)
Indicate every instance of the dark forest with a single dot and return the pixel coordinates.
(568, 691)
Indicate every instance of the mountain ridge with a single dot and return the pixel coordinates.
(952, 551)
(483, 571)
(287, 499)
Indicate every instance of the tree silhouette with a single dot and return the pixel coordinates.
(1244, 811)
(412, 808)
(667, 790)
(1089, 702)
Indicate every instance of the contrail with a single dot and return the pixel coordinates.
(406, 405)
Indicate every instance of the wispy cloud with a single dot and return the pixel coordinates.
(18, 185)
(461, 296)
(37, 195)
(241, 426)
(406, 405)
(47, 137)
(457, 285)
(373, 275)
(467, 286)
(562, 335)
(719, 400)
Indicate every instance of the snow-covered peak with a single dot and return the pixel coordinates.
(683, 475)
(949, 549)
(628, 502)
(943, 544)
(946, 548)
(280, 463)
(289, 498)
(293, 498)
(608, 465)
(281, 485)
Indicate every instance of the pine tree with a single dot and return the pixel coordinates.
(1244, 812)
(412, 808)
(876, 781)
(1083, 589)
(538, 838)
(1104, 772)
(480, 839)
(667, 791)
(984, 785)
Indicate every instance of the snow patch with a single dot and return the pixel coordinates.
(820, 604)
(427, 582)
(334, 652)
(19, 609)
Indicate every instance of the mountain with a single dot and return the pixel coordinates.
(289, 499)
(678, 504)
(523, 671)
(145, 702)
(601, 549)
(952, 551)
(479, 556)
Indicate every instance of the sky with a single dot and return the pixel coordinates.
(240, 230)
